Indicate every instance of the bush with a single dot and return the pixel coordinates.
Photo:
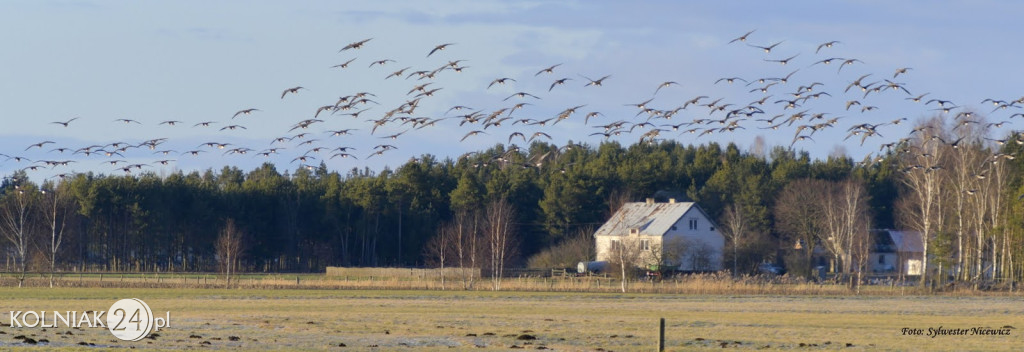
(566, 254)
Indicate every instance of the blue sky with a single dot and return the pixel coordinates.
(197, 61)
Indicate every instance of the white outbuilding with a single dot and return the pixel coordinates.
(677, 234)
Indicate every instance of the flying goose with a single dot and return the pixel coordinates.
(594, 82)
(344, 64)
(39, 145)
(248, 111)
(500, 81)
(742, 38)
(439, 47)
(293, 90)
(65, 123)
(550, 69)
(826, 45)
(355, 45)
(767, 49)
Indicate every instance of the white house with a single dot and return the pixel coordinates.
(679, 232)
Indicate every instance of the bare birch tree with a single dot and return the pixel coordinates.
(438, 247)
(499, 216)
(861, 252)
(15, 223)
(961, 178)
(624, 253)
(922, 176)
(998, 174)
(467, 245)
(735, 229)
(845, 219)
(56, 206)
(978, 200)
(229, 247)
(987, 220)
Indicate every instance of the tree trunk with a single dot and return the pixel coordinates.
(24, 267)
(622, 265)
(227, 272)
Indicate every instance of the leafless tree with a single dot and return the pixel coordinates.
(987, 221)
(667, 253)
(229, 247)
(617, 199)
(700, 255)
(861, 252)
(845, 220)
(467, 245)
(833, 235)
(735, 229)
(922, 176)
(979, 202)
(964, 161)
(15, 222)
(439, 247)
(56, 206)
(857, 218)
(759, 147)
(499, 217)
(798, 216)
(998, 174)
(624, 254)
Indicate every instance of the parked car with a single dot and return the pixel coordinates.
(769, 268)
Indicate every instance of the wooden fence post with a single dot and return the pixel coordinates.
(661, 336)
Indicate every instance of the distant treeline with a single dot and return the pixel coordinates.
(308, 219)
(311, 218)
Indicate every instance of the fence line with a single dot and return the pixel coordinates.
(703, 284)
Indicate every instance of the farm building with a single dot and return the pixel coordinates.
(679, 234)
(897, 252)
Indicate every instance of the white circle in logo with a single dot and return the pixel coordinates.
(130, 319)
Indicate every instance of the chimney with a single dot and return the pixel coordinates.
(671, 201)
(650, 200)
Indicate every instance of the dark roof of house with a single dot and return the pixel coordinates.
(898, 241)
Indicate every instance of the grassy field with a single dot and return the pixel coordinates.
(407, 320)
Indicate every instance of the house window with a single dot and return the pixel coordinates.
(645, 244)
(693, 224)
(615, 245)
(881, 259)
(634, 231)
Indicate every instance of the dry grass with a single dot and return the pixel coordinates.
(705, 284)
(446, 320)
(405, 273)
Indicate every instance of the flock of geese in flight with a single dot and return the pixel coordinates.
(787, 102)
